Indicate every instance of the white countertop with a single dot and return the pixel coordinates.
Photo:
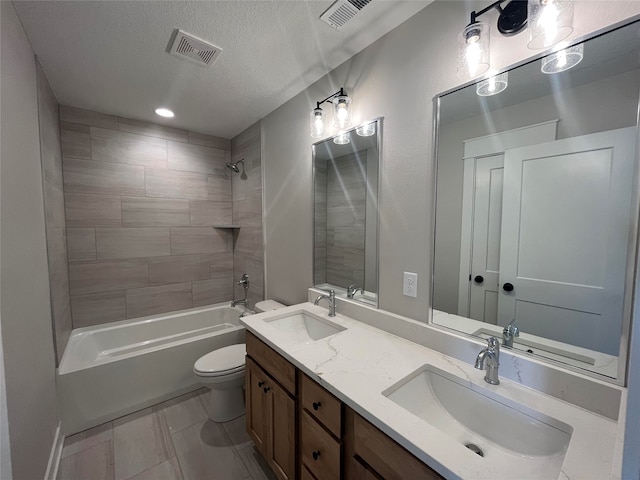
(357, 364)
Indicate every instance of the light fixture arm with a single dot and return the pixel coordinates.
(496, 5)
(333, 95)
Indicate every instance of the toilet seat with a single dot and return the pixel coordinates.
(221, 362)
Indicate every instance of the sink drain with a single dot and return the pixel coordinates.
(474, 448)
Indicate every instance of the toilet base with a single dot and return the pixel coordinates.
(225, 405)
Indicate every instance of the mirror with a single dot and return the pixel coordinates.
(345, 183)
(537, 207)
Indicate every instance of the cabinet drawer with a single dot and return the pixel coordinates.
(386, 457)
(326, 408)
(272, 362)
(306, 475)
(319, 451)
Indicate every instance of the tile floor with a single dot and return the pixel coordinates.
(170, 441)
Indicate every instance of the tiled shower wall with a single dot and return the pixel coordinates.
(54, 212)
(140, 202)
(247, 212)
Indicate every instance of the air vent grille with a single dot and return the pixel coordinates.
(359, 4)
(338, 14)
(194, 49)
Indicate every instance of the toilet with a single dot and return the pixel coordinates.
(222, 372)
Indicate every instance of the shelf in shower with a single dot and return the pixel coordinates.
(226, 225)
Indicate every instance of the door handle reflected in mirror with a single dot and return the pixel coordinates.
(478, 279)
(507, 287)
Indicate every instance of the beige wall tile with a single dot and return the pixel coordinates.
(163, 298)
(74, 150)
(221, 265)
(152, 129)
(104, 276)
(121, 147)
(53, 205)
(49, 131)
(112, 243)
(92, 210)
(98, 308)
(248, 212)
(209, 141)
(87, 117)
(59, 287)
(207, 292)
(81, 176)
(189, 240)
(81, 244)
(249, 136)
(219, 187)
(178, 268)
(154, 212)
(209, 212)
(175, 184)
(195, 158)
(140, 441)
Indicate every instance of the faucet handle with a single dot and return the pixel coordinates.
(493, 343)
(511, 329)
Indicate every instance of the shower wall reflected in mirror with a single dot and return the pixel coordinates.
(345, 182)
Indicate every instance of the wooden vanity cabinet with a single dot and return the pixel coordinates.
(371, 454)
(304, 432)
(271, 406)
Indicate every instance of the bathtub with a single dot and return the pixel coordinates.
(111, 370)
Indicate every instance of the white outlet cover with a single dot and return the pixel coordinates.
(410, 284)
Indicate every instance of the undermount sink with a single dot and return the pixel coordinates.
(486, 423)
(305, 327)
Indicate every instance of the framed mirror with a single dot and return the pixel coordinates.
(345, 185)
(537, 206)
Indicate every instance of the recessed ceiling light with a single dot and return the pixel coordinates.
(164, 112)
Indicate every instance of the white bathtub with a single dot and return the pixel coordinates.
(110, 371)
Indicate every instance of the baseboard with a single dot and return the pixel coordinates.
(56, 454)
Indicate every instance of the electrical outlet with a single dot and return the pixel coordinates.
(410, 284)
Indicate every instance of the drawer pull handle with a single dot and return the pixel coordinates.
(316, 405)
(266, 389)
(316, 455)
(260, 384)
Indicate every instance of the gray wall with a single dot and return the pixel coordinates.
(396, 77)
(52, 188)
(141, 200)
(594, 107)
(24, 282)
(248, 252)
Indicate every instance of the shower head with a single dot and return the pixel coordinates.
(234, 166)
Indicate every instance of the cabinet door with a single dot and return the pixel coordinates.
(256, 403)
(282, 428)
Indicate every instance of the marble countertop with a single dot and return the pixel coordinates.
(359, 363)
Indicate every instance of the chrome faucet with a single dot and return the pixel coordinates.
(490, 356)
(509, 332)
(244, 283)
(332, 302)
(352, 290)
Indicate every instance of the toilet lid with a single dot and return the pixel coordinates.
(222, 361)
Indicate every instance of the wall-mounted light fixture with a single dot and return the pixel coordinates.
(493, 85)
(366, 130)
(341, 113)
(473, 41)
(550, 22)
(563, 59)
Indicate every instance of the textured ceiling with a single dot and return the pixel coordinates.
(111, 56)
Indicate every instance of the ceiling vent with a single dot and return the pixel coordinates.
(338, 14)
(194, 49)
